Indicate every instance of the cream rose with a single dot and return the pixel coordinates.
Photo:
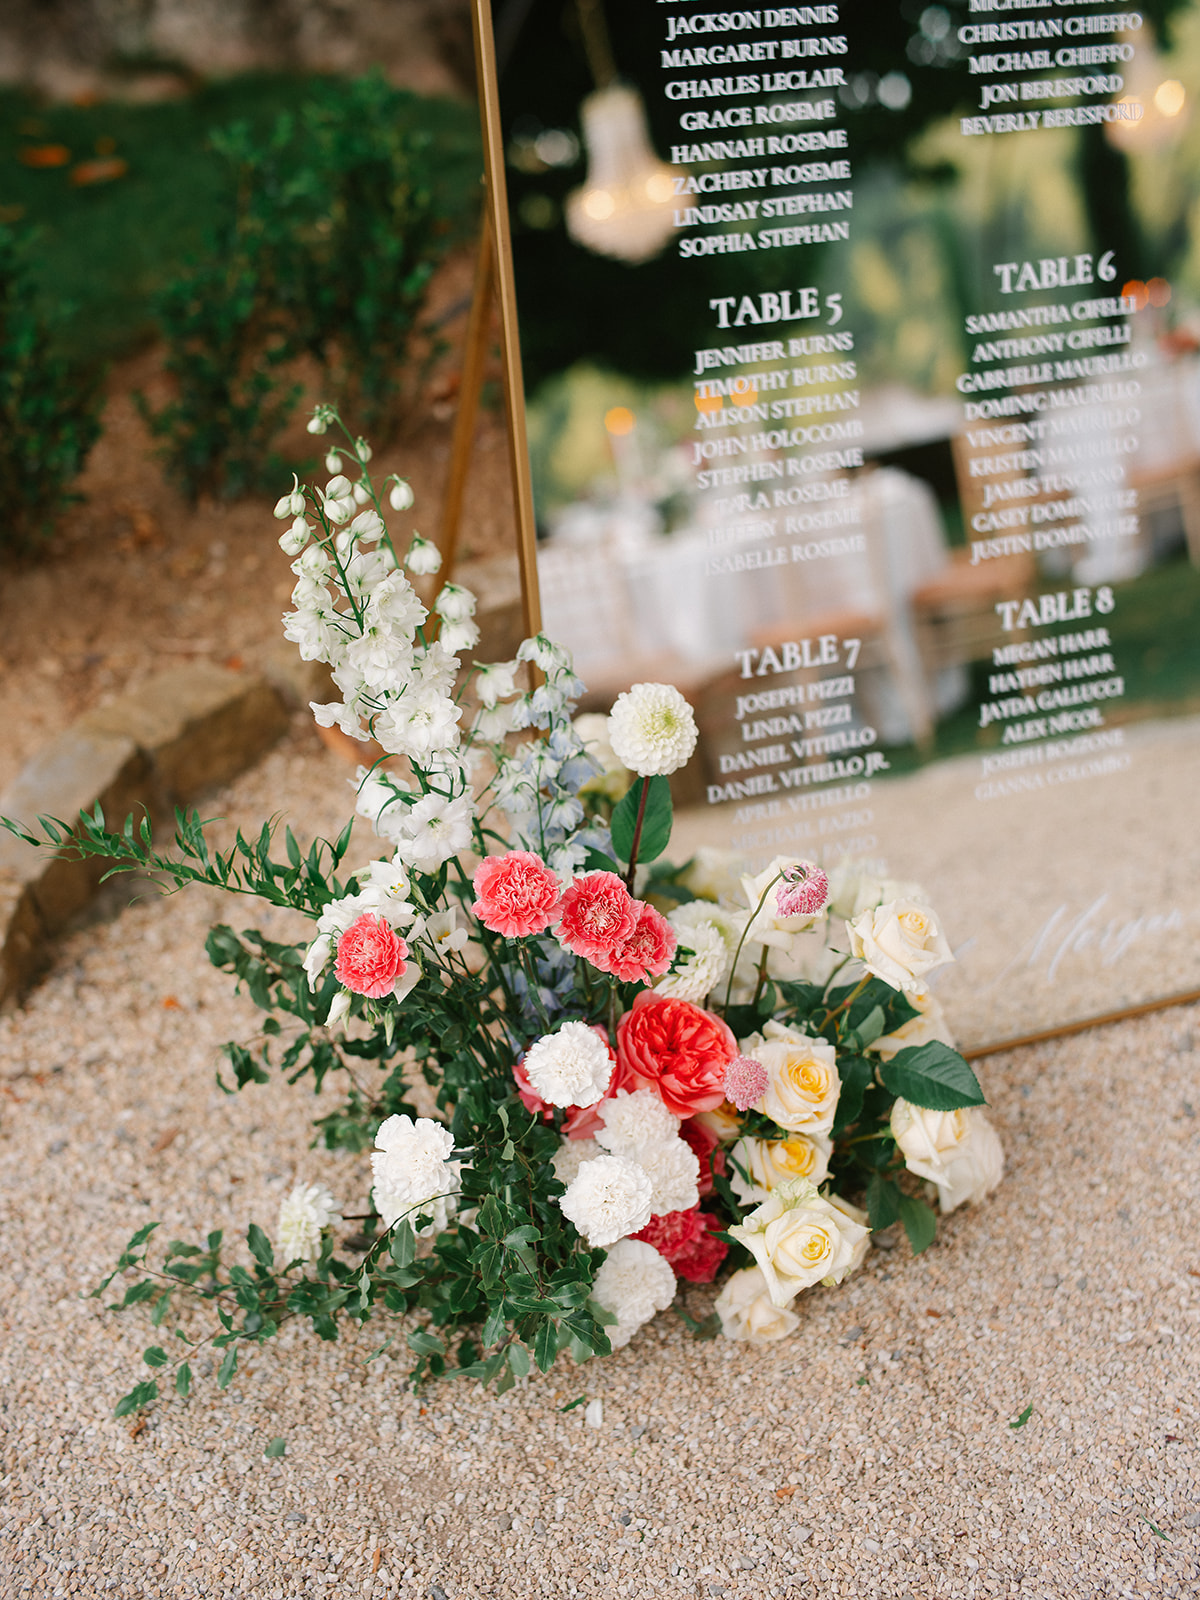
(769, 1162)
(747, 1312)
(899, 942)
(858, 1215)
(929, 1026)
(802, 1078)
(959, 1151)
(799, 1239)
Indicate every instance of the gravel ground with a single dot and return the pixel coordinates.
(873, 1454)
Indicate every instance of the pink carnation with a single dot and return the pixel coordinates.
(648, 950)
(684, 1240)
(803, 892)
(745, 1081)
(598, 915)
(517, 894)
(370, 957)
(581, 1122)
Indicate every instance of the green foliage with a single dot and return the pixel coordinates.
(332, 229)
(655, 832)
(932, 1075)
(49, 414)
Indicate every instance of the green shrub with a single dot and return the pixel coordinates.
(49, 413)
(331, 235)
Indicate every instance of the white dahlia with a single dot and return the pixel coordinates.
(652, 730)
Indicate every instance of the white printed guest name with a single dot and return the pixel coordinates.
(751, 21)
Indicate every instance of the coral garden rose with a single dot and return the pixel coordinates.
(598, 916)
(516, 894)
(899, 942)
(648, 950)
(679, 1050)
(371, 957)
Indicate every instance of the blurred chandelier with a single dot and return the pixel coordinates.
(625, 207)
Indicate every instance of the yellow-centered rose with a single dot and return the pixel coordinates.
(769, 1162)
(799, 1239)
(899, 942)
(747, 1312)
(802, 1078)
(960, 1151)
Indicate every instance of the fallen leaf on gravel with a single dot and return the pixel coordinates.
(786, 1492)
(166, 1138)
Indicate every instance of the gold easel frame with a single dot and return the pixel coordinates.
(494, 273)
(499, 247)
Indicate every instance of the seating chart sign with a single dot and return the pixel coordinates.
(861, 385)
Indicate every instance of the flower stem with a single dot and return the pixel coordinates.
(637, 834)
(733, 966)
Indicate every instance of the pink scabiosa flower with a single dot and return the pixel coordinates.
(371, 957)
(684, 1240)
(745, 1081)
(648, 950)
(516, 894)
(598, 915)
(804, 891)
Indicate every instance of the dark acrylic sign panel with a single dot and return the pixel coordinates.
(863, 403)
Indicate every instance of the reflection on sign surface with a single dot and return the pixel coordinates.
(863, 399)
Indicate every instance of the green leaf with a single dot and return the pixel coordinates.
(140, 1395)
(856, 1073)
(572, 1405)
(870, 1028)
(545, 1346)
(260, 1247)
(155, 1356)
(883, 1201)
(933, 1076)
(403, 1247)
(1023, 1418)
(276, 1448)
(426, 1343)
(228, 1368)
(920, 1222)
(183, 1380)
(656, 824)
(597, 861)
(518, 1359)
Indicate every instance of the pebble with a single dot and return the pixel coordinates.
(885, 1476)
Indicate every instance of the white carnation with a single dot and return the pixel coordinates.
(673, 1168)
(571, 1067)
(696, 978)
(303, 1217)
(632, 1121)
(570, 1156)
(609, 1198)
(652, 730)
(413, 1172)
(639, 1128)
(634, 1283)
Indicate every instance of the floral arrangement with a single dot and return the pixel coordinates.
(592, 1073)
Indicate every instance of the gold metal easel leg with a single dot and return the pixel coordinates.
(469, 390)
